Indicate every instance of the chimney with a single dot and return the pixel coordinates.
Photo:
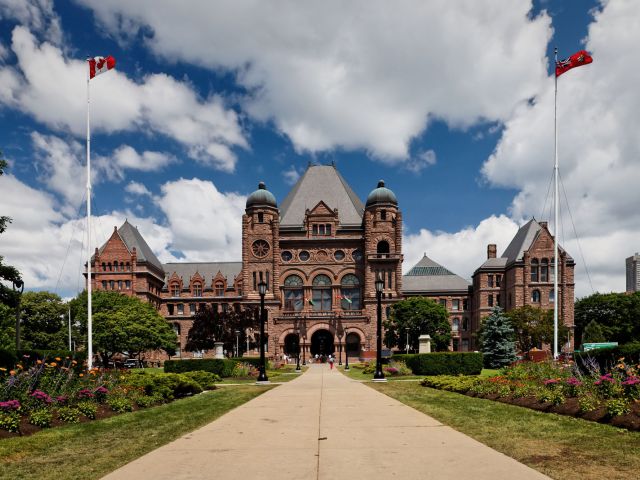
(543, 224)
(491, 250)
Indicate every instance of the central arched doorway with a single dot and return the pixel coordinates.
(291, 344)
(322, 343)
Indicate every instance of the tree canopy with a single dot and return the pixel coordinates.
(618, 315)
(420, 316)
(498, 344)
(123, 324)
(533, 327)
(43, 323)
(210, 326)
(8, 274)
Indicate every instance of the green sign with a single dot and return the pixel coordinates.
(595, 346)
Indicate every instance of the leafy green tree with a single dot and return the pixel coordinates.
(123, 324)
(8, 275)
(533, 327)
(210, 326)
(420, 316)
(42, 321)
(593, 333)
(7, 327)
(618, 315)
(498, 344)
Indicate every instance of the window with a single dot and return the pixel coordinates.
(192, 308)
(128, 266)
(119, 284)
(170, 308)
(255, 282)
(544, 270)
(321, 229)
(197, 290)
(180, 309)
(225, 307)
(115, 266)
(104, 284)
(499, 300)
(260, 217)
(389, 279)
(455, 304)
(465, 304)
(286, 256)
(465, 345)
(219, 289)
(356, 255)
(122, 266)
(383, 214)
(112, 285)
(339, 255)
(202, 306)
(490, 300)
(293, 293)
(490, 280)
(455, 325)
(498, 280)
(104, 267)
(552, 296)
(321, 293)
(534, 270)
(109, 266)
(465, 324)
(267, 279)
(443, 302)
(383, 247)
(350, 292)
(175, 290)
(304, 256)
(535, 296)
(552, 270)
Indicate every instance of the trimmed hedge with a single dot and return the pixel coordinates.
(9, 358)
(608, 357)
(222, 367)
(443, 363)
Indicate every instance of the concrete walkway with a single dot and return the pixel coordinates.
(324, 426)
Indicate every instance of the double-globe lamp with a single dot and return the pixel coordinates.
(379, 376)
(262, 377)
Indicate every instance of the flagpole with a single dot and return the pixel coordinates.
(556, 295)
(89, 266)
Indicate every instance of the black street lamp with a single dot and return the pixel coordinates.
(18, 286)
(346, 353)
(237, 343)
(298, 369)
(262, 377)
(379, 375)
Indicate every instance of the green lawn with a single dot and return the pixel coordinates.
(277, 376)
(559, 446)
(93, 449)
(356, 374)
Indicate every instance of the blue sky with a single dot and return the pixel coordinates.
(449, 105)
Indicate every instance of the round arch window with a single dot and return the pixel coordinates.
(260, 248)
(339, 255)
(286, 256)
(357, 255)
(304, 255)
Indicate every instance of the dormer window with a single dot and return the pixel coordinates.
(197, 290)
(175, 290)
(219, 289)
(321, 229)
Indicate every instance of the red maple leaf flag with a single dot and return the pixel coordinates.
(98, 65)
(576, 60)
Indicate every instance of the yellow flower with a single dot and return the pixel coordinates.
(54, 364)
(3, 369)
(12, 372)
(19, 366)
(74, 362)
(57, 359)
(39, 362)
(81, 375)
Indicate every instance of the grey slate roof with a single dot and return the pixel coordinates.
(208, 270)
(132, 238)
(494, 263)
(321, 183)
(430, 276)
(522, 241)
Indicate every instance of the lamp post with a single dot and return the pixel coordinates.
(407, 342)
(18, 285)
(379, 376)
(237, 343)
(262, 377)
(304, 356)
(346, 353)
(298, 369)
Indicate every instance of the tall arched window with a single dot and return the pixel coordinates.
(350, 293)
(128, 266)
(544, 270)
(534, 269)
(552, 270)
(122, 266)
(293, 293)
(321, 293)
(552, 296)
(535, 296)
(104, 267)
(383, 246)
(455, 325)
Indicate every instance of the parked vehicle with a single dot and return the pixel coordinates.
(133, 363)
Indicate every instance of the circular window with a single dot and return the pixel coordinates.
(304, 255)
(339, 255)
(357, 255)
(260, 248)
(286, 256)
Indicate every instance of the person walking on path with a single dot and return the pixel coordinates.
(330, 362)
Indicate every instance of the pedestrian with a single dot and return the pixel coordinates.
(330, 362)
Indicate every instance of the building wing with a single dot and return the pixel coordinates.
(428, 276)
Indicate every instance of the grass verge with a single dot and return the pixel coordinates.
(93, 449)
(356, 374)
(558, 446)
(276, 376)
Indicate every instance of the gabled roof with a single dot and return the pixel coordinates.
(522, 241)
(207, 270)
(321, 183)
(133, 239)
(429, 276)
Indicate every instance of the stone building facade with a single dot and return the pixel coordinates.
(320, 252)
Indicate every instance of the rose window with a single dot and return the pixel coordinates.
(260, 248)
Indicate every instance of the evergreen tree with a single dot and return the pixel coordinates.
(593, 332)
(498, 343)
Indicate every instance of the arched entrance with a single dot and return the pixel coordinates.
(291, 344)
(322, 343)
(353, 344)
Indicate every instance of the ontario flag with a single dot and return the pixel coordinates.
(98, 65)
(576, 60)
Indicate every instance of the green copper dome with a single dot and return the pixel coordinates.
(381, 195)
(261, 197)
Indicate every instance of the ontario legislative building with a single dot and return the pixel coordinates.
(320, 251)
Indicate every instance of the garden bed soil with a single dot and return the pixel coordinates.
(630, 421)
(27, 429)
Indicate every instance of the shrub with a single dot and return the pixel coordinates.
(588, 402)
(88, 409)
(617, 406)
(41, 417)
(445, 363)
(69, 414)
(457, 384)
(10, 420)
(553, 396)
(119, 404)
(167, 385)
(255, 361)
(221, 367)
(206, 380)
(145, 401)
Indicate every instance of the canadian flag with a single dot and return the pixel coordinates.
(98, 65)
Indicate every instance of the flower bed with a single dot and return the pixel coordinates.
(44, 394)
(551, 387)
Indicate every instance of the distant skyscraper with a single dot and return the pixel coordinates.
(633, 273)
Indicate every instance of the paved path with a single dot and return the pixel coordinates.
(324, 426)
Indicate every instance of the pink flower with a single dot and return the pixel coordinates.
(551, 381)
(10, 405)
(574, 382)
(40, 395)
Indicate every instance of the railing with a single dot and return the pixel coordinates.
(288, 316)
(384, 256)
